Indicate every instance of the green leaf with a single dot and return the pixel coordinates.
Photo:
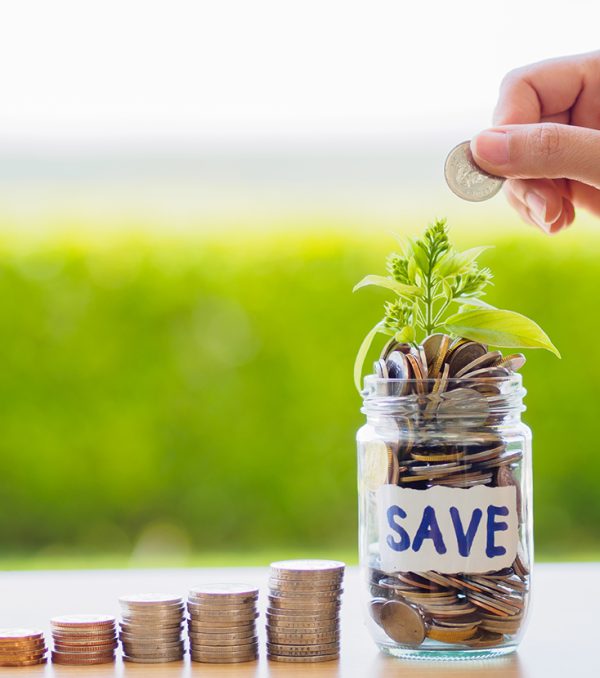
(390, 284)
(420, 255)
(405, 335)
(500, 328)
(362, 354)
(470, 255)
(456, 263)
(472, 301)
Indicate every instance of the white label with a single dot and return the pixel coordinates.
(447, 529)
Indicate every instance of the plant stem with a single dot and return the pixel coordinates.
(440, 313)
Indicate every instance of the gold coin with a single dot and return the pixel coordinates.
(82, 621)
(19, 635)
(435, 347)
(17, 656)
(61, 658)
(23, 662)
(17, 646)
(444, 635)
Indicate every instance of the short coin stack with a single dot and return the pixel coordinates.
(22, 647)
(81, 639)
(303, 612)
(222, 623)
(151, 626)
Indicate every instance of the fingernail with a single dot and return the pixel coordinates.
(537, 209)
(492, 147)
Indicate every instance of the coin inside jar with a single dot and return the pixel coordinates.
(402, 623)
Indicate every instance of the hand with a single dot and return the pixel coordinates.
(546, 140)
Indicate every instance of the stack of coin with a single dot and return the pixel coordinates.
(222, 623)
(303, 611)
(22, 647)
(84, 639)
(151, 626)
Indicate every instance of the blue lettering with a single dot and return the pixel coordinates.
(404, 541)
(491, 549)
(465, 541)
(429, 529)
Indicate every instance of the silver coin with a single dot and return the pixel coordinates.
(208, 643)
(129, 638)
(153, 660)
(303, 659)
(243, 650)
(303, 650)
(301, 616)
(205, 632)
(224, 660)
(302, 587)
(306, 595)
(308, 568)
(234, 591)
(302, 638)
(225, 638)
(226, 648)
(466, 179)
(235, 617)
(302, 629)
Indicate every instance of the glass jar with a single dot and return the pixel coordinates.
(445, 516)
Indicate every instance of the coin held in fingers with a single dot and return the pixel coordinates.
(466, 179)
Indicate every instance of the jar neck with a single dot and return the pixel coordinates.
(465, 403)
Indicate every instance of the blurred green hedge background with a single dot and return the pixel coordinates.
(182, 396)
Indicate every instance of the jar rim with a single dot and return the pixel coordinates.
(502, 394)
(513, 379)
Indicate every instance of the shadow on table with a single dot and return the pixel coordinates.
(504, 667)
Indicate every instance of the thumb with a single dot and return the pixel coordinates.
(546, 150)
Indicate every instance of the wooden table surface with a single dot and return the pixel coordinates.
(562, 639)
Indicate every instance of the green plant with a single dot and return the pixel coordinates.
(438, 288)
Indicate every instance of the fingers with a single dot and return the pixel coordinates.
(543, 197)
(542, 203)
(586, 197)
(545, 150)
(544, 89)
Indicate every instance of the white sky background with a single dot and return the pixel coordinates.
(231, 70)
(351, 104)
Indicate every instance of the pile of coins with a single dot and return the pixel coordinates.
(454, 395)
(222, 623)
(472, 610)
(303, 611)
(22, 647)
(151, 627)
(81, 639)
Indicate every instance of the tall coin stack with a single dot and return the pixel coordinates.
(303, 611)
(222, 623)
(22, 647)
(84, 639)
(151, 626)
